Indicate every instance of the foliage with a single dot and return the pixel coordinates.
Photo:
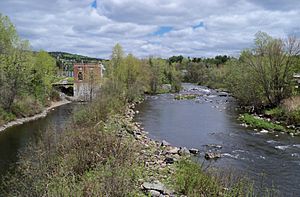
(259, 123)
(22, 72)
(271, 63)
(196, 73)
(191, 179)
(136, 76)
(72, 57)
(274, 112)
(26, 106)
(6, 116)
(160, 73)
(43, 75)
(241, 83)
(85, 162)
(86, 159)
(288, 111)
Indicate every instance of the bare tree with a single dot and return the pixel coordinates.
(271, 62)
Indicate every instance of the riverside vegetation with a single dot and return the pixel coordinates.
(261, 79)
(102, 152)
(25, 76)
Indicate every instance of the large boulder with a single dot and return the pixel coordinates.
(211, 155)
(155, 189)
(194, 151)
(165, 143)
(172, 150)
(184, 151)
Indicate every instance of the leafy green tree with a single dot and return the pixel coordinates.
(196, 73)
(15, 62)
(271, 63)
(43, 75)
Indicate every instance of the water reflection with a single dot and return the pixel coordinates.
(15, 139)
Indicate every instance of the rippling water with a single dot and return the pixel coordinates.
(212, 119)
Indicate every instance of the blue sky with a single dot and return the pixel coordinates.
(162, 30)
(201, 28)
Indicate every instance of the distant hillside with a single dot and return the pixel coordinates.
(65, 61)
(69, 57)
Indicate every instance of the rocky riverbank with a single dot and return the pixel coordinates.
(266, 125)
(35, 117)
(159, 158)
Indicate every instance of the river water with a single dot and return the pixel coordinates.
(14, 139)
(212, 119)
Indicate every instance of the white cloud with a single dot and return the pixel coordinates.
(73, 26)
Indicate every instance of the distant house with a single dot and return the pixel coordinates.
(87, 80)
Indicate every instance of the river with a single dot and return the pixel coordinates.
(212, 119)
(14, 139)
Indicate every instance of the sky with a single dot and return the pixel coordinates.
(195, 28)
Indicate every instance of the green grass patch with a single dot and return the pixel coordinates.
(274, 112)
(185, 96)
(260, 123)
(192, 179)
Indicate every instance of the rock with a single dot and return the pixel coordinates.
(223, 94)
(169, 160)
(210, 155)
(172, 150)
(264, 131)
(194, 151)
(183, 151)
(216, 146)
(165, 143)
(157, 186)
(154, 193)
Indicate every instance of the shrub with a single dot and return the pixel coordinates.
(291, 104)
(26, 106)
(6, 116)
(193, 180)
(79, 162)
(276, 113)
(293, 117)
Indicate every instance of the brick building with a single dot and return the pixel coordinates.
(87, 79)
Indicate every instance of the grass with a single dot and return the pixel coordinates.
(274, 112)
(288, 111)
(185, 96)
(193, 180)
(260, 123)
